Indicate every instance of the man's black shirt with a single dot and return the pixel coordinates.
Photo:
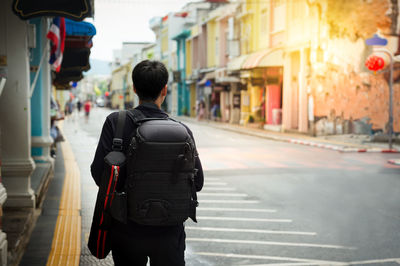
(105, 146)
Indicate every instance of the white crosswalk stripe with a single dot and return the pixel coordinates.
(231, 201)
(235, 209)
(223, 194)
(244, 219)
(243, 230)
(206, 188)
(272, 243)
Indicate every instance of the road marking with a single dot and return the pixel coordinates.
(219, 229)
(206, 188)
(66, 243)
(235, 209)
(271, 243)
(397, 260)
(244, 256)
(297, 264)
(230, 201)
(223, 194)
(213, 179)
(244, 219)
(216, 183)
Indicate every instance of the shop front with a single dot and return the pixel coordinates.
(239, 97)
(229, 94)
(205, 95)
(262, 73)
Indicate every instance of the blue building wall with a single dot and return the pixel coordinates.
(183, 89)
(37, 97)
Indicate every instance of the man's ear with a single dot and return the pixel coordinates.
(134, 89)
(164, 91)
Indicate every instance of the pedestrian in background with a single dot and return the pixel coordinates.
(79, 105)
(201, 110)
(87, 108)
(69, 107)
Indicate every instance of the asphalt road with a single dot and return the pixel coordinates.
(267, 202)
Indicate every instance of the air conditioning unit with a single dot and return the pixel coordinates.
(195, 73)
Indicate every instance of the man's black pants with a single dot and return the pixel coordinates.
(163, 249)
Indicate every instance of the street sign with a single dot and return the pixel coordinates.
(376, 40)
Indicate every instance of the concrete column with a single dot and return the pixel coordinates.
(3, 193)
(287, 93)
(3, 197)
(303, 116)
(15, 117)
(40, 101)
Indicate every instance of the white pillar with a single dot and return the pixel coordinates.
(17, 164)
(287, 92)
(3, 193)
(3, 197)
(303, 115)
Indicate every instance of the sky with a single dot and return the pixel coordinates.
(119, 21)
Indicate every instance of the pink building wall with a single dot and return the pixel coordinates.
(223, 55)
(202, 49)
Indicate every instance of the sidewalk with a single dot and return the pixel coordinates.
(341, 143)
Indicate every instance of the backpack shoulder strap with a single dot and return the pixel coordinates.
(117, 140)
(136, 115)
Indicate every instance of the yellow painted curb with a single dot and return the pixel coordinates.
(66, 245)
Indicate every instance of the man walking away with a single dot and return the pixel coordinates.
(133, 243)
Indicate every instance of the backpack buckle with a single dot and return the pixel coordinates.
(117, 144)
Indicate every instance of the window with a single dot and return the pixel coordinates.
(264, 20)
(279, 15)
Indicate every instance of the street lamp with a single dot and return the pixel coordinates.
(379, 60)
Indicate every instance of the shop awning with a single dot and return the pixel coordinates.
(72, 9)
(228, 79)
(183, 35)
(236, 63)
(222, 76)
(264, 58)
(207, 76)
(66, 76)
(76, 59)
(62, 86)
(79, 28)
(274, 58)
(78, 41)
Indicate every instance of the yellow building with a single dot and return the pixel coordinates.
(122, 95)
(302, 25)
(189, 69)
(212, 40)
(250, 24)
(262, 27)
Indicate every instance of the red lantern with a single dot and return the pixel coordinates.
(377, 61)
(106, 93)
(121, 96)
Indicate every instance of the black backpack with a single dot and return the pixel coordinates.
(159, 187)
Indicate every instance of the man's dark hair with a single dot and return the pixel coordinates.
(149, 78)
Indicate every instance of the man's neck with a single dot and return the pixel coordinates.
(156, 102)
